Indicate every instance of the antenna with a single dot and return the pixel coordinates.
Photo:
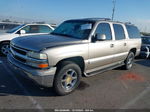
(113, 10)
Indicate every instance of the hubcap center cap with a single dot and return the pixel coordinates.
(68, 79)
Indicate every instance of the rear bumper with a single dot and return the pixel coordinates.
(42, 77)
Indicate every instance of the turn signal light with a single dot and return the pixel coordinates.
(43, 65)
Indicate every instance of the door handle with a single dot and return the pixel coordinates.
(111, 45)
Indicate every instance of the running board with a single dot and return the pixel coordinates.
(103, 70)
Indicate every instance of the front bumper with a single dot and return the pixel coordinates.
(42, 77)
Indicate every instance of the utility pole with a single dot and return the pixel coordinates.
(113, 10)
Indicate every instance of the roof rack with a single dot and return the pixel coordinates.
(104, 19)
(128, 23)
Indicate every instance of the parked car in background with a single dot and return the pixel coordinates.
(145, 48)
(76, 47)
(22, 30)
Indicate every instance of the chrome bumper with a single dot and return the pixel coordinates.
(42, 77)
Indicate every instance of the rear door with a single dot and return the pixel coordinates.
(120, 44)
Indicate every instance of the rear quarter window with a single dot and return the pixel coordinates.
(133, 32)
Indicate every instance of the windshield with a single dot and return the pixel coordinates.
(15, 29)
(74, 29)
(146, 40)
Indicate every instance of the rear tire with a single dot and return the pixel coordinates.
(4, 48)
(67, 78)
(129, 61)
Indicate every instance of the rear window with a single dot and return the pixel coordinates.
(119, 32)
(133, 31)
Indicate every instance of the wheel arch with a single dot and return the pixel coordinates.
(4, 41)
(134, 50)
(77, 60)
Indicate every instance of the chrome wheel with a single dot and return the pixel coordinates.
(130, 61)
(5, 49)
(69, 79)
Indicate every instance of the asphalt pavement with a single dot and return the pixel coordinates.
(114, 89)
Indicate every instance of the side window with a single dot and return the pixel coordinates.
(133, 31)
(31, 29)
(34, 29)
(44, 29)
(119, 32)
(26, 28)
(104, 28)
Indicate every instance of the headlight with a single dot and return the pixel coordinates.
(37, 55)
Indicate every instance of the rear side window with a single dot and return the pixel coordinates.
(104, 28)
(133, 31)
(44, 29)
(119, 32)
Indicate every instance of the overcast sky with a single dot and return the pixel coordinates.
(135, 11)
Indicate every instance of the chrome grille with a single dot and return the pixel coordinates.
(18, 53)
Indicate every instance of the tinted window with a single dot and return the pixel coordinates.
(119, 32)
(27, 29)
(133, 31)
(44, 29)
(31, 29)
(74, 29)
(34, 29)
(104, 28)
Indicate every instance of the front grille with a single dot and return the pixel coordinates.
(18, 53)
(20, 59)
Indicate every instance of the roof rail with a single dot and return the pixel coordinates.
(105, 19)
(128, 23)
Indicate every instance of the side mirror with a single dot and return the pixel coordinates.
(22, 31)
(100, 37)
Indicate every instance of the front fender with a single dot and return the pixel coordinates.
(57, 54)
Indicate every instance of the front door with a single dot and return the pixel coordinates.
(101, 52)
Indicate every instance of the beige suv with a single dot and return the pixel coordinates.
(75, 48)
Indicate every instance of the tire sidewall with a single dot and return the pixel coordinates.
(61, 70)
(127, 66)
(1, 45)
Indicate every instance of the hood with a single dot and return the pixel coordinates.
(4, 34)
(40, 42)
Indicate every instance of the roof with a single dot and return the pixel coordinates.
(90, 19)
(100, 19)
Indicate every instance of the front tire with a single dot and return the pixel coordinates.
(4, 48)
(129, 61)
(67, 78)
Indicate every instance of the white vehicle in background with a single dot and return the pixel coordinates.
(22, 30)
